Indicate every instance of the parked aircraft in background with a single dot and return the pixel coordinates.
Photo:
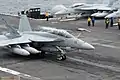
(114, 14)
(84, 9)
(24, 41)
(102, 14)
(104, 9)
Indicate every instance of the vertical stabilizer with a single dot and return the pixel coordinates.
(106, 2)
(24, 24)
(57, 8)
(109, 2)
(116, 4)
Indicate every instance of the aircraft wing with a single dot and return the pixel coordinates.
(102, 8)
(89, 8)
(28, 39)
(14, 41)
(85, 8)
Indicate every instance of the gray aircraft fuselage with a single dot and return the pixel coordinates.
(65, 41)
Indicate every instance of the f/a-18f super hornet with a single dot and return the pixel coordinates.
(84, 9)
(24, 41)
(114, 14)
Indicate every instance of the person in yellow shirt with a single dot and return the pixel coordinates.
(89, 21)
(119, 23)
(47, 16)
(107, 23)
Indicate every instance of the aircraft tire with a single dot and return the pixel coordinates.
(61, 58)
(42, 54)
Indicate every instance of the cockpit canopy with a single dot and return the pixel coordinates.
(59, 32)
(77, 5)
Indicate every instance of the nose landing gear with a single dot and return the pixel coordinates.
(61, 56)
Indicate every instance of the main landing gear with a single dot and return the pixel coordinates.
(61, 56)
(42, 54)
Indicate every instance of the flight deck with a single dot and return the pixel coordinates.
(103, 63)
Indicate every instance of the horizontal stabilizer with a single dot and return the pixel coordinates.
(28, 39)
(13, 33)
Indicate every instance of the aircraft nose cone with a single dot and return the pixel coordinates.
(93, 14)
(110, 15)
(60, 12)
(88, 46)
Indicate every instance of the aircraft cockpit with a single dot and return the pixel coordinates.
(77, 5)
(62, 33)
(58, 32)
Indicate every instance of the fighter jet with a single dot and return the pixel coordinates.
(102, 14)
(105, 9)
(114, 14)
(25, 42)
(84, 9)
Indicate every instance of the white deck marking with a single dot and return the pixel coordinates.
(3, 26)
(64, 20)
(54, 22)
(102, 44)
(116, 69)
(44, 19)
(105, 45)
(26, 76)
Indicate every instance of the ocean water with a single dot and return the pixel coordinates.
(13, 6)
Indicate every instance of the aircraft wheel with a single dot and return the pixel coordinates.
(42, 54)
(62, 57)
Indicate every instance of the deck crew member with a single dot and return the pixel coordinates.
(47, 16)
(107, 23)
(93, 21)
(119, 23)
(89, 21)
(111, 22)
